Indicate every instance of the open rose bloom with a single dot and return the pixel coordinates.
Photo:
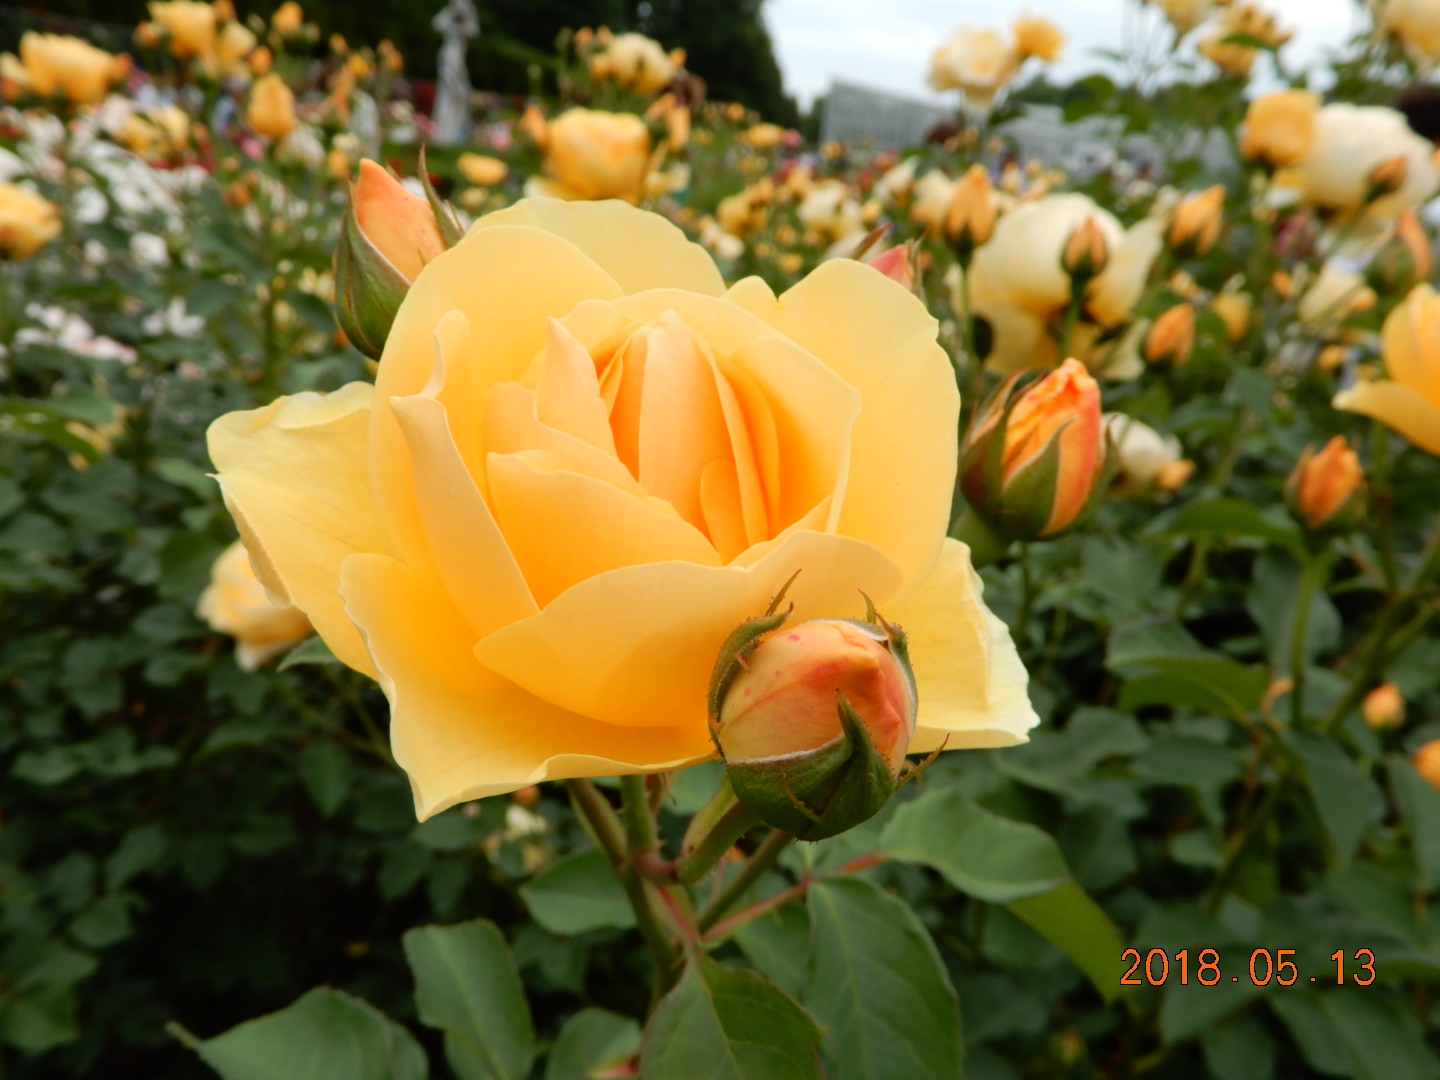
(583, 463)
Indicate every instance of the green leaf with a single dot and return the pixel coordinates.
(1222, 518)
(1274, 602)
(576, 894)
(980, 853)
(778, 943)
(325, 1035)
(37, 1007)
(327, 772)
(1239, 1049)
(467, 986)
(591, 1040)
(1347, 801)
(877, 985)
(312, 650)
(1214, 683)
(721, 1024)
(1007, 862)
(1367, 1034)
(1419, 804)
(189, 476)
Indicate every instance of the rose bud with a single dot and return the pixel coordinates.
(1233, 309)
(1034, 456)
(1171, 337)
(1279, 128)
(1383, 707)
(1195, 226)
(814, 720)
(1326, 491)
(897, 263)
(1405, 259)
(1427, 762)
(970, 218)
(1386, 178)
(272, 107)
(387, 238)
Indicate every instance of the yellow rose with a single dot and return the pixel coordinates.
(1408, 401)
(1186, 15)
(1280, 127)
(1416, 25)
(481, 170)
(638, 62)
(1350, 143)
(830, 211)
(594, 155)
(59, 66)
(1037, 36)
(272, 107)
(582, 464)
(1017, 283)
(1237, 20)
(159, 132)
(27, 222)
(236, 603)
(233, 45)
(978, 63)
(288, 19)
(190, 24)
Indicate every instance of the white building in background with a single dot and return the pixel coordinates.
(858, 115)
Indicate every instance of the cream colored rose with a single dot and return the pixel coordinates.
(583, 462)
(27, 222)
(1350, 142)
(236, 603)
(933, 193)
(830, 211)
(979, 63)
(594, 155)
(1144, 459)
(1017, 284)
(1416, 25)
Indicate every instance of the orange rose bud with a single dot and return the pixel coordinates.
(970, 218)
(272, 107)
(387, 238)
(1326, 491)
(1427, 762)
(814, 720)
(1383, 707)
(1195, 226)
(288, 19)
(532, 123)
(1085, 254)
(1171, 337)
(1034, 456)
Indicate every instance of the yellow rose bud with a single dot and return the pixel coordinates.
(1085, 253)
(561, 475)
(237, 603)
(1037, 36)
(60, 66)
(1409, 400)
(1427, 762)
(534, 125)
(27, 222)
(1195, 226)
(337, 164)
(1279, 128)
(288, 19)
(481, 170)
(970, 218)
(1326, 490)
(596, 155)
(1383, 707)
(189, 23)
(1233, 308)
(272, 107)
(1035, 453)
(1171, 337)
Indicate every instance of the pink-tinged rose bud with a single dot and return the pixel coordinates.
(1034, 456)
(1383, 707)
(387, 238)
(814, 720)
(1326, 490)
(898, 264)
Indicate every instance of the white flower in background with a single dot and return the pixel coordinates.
(61, 329)
(173, 320)
(147, 249)
(722, 243)
(1144, 458)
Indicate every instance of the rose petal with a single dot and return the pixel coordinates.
(512, 424)
(638, 249)
(879, 339)
(462, 732)
(567, 396)
(970, 680)
(564, 528)
(294, 476)
(508, 282)
(1398, 407)
(636, 646)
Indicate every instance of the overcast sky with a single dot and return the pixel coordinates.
(887, 43)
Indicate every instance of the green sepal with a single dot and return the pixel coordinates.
(368, 288)
(821, 793)
(451, 231)
(1027, 503)
(982, 451)
(740, 644)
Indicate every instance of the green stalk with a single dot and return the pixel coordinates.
(720, 838)
(1312, 579)
(761, 860)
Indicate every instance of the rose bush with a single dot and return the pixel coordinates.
(582, 463)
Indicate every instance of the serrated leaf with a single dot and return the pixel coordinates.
(877, 985)
(576, 894)
(467, 986)
(592, 1040)
(722, 1024)
(1347, 801)
(325, 1035)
